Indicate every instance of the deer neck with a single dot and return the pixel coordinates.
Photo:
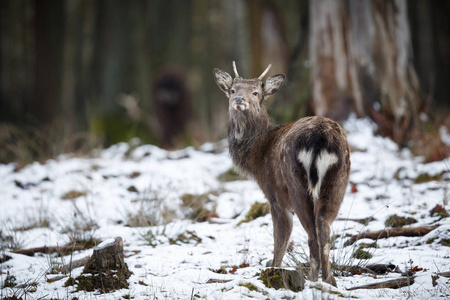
(248, 132)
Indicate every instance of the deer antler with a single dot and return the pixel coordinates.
(265, 72)
(235, 69)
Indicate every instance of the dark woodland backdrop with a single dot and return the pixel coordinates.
(77, 74)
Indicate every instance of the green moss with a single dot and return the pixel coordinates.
(425, 177)
(224, 290)
(70, 282)
(277, 278)
(272, 278)
(367, 245)
(230, 175)
(142, 283)
(10, 281)
(196, 205)
(396, 221)
(185, 238)
(397, 173)
(257, 210)
(361, 254)
(440, 211)
(105, 282)
(431, 240)
(135, 174)
(250, 286)
(445, 242)
(132, 189)
(70, 195)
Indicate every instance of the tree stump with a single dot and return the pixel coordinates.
(106, 270)
(291, 279)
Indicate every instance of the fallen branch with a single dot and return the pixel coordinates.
(391, 232)
(363, 221)
(212, 280)
(74, 264)
(444, 274)
(374, 269)
(383, 268)
(354, 270)
(48, 250)
(390, 284)
(56, 278)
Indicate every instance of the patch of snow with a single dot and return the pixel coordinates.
(105, 243)
(174, 257)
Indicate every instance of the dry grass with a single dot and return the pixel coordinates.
(29, 144)
(427, 141)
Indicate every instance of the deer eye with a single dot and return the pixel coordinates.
(255, 93)
(233, 91)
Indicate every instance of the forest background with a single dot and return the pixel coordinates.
(81, 74)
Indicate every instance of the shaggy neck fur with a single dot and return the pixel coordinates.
(247, 134)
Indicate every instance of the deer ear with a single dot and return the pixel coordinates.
(273, 84)
(223, 80)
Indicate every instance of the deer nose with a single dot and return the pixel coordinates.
(239, 99)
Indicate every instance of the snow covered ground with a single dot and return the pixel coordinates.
(139, 193)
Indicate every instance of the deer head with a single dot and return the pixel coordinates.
(245, 94)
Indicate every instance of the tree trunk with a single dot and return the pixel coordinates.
(49, 32)
(106, 270)
(361, 61)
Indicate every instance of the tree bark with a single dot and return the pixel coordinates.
(106, 270)
(361, 57)
(277, 278)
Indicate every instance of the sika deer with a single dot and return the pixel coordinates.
(301, 167)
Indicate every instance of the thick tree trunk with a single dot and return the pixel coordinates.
(361, 61)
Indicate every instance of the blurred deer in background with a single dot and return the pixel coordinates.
(301, 167)
(172, 106)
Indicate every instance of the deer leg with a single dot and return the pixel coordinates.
(323, 234)
(305, 213)
(282, 228)
(314, 257)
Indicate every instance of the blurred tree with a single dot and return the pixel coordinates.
(430, 32)
(70, 62)
(361, 56)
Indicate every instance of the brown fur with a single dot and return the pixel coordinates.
(301, 167)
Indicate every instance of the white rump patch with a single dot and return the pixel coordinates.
(305, 158)
(324, 161)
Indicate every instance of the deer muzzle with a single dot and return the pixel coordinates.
(239, 104)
